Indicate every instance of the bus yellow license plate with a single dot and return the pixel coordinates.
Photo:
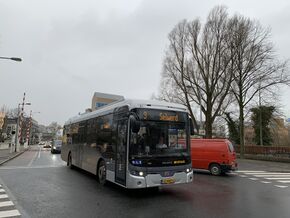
(168, 181)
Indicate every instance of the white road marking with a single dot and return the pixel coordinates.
(281, 186)
(265, 182)
(2, 190)
(253, 179)
(9, 213)
(31, 167)
(250, 171)
(3, 196)
(268, 173)
(39, 152)
(276, 178)
(274, 175)
(34, 157)
(6, 203)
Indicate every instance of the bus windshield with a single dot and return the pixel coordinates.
(159, 139)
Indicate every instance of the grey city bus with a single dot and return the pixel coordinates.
(119, 143)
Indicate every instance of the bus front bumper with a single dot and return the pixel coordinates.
(155, 180)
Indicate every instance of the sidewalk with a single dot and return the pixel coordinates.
(5, 152)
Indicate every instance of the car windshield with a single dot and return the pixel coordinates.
(57, 142)
(159, 139)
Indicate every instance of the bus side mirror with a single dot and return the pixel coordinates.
(135, 124)
(191, 127)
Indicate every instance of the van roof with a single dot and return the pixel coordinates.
(211, 140)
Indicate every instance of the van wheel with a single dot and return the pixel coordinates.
(101, 172)
(215, 169)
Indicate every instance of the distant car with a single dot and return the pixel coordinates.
(56, 146)
(41, 143)
(47, 145)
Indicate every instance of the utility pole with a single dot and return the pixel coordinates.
(260, 115)
(28, 128)
(20, 117)
(18, 136)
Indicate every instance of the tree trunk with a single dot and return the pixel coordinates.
(242, 132)
(208, 125)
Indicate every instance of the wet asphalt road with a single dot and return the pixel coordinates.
(40, 185)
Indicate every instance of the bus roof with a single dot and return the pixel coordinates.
(109, 108)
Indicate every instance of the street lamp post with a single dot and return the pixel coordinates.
(12, 58)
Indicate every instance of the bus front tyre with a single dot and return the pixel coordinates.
(102, 172)
(215, 169)
(69, 161)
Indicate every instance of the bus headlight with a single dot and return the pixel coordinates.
(137, 173)
(188, 170)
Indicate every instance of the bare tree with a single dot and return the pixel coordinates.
(208, 65)
(54, 127)
(198, 66)
(210, 68)
(174, 68)
(9, 112)
(255, 67)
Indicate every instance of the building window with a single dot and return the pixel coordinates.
(100, 104)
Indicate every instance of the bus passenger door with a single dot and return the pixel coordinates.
(121, 152)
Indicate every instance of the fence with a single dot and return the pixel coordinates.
(274, 153)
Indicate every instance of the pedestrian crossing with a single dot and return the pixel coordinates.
(278, 179)
(7, 207)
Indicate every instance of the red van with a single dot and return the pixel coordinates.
(216, 155)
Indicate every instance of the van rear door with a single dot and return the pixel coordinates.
(232, 155)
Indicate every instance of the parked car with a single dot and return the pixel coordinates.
(56, 146)
(216, 155)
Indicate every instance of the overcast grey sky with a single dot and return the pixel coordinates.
(71, 48)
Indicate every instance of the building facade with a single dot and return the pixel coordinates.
(101, 99)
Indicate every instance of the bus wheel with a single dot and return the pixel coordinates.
(215, 169)
(69, 161)
(102, 172)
